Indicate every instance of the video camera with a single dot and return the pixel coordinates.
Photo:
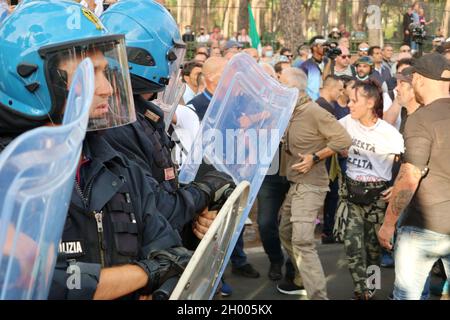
(418, 33)
(331, 50)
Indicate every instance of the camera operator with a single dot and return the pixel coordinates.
(342, 64)
(315, 67)
(414, 26)
(418, 36)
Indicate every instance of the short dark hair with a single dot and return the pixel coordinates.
(405, 61)
(372, 48)
(188, 67)
(202, 47)
(284, 50)
(277, 67)
(346, 79)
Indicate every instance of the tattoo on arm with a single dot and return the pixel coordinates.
(407, 182)
(400, 202)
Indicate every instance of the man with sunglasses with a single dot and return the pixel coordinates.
(342, 65)
(286, 52)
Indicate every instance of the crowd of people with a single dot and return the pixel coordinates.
(366, 149)
(372, 94)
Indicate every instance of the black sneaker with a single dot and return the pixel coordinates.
(289, 287)
(246, 270)
(275, 271)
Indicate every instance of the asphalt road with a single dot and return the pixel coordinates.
(339, 282)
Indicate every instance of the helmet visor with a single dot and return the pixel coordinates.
(168, 99)
(112, 105)
(175, 58)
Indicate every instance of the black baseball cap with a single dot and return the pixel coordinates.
(433, 66)
(405, 75)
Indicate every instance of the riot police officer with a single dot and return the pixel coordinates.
(114, 234)
(155, 53)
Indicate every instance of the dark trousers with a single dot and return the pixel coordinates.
(331, 200)
(270, 198)
(238, 257)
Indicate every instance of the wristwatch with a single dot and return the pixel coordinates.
(316, 158)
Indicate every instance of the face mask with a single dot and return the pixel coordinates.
(188, 30)
(269, 54)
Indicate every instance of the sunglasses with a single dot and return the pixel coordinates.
(288, 55)
(343, 56)
(406, 50)
(364, 49)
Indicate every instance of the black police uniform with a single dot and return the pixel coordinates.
(112, 219)
(146, 143)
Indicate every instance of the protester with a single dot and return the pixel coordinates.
(312, 136)
(369, 170)
(420, 191)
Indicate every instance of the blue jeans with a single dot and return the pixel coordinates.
(270, 198)
(416, 250)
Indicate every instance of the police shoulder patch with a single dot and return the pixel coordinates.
(152, 116)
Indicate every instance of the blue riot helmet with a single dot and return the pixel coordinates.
(41, 44)
(154, 46)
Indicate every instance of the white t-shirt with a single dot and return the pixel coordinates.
(185, 130)
(373, 149)
(188, 94)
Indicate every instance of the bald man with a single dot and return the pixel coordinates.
(313, 135)
(212, 71)
(342, 63)
(363, 50)
(332, 89)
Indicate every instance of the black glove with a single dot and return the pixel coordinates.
(217, 185)
(161, 265)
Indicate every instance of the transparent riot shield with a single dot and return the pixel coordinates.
(241, 130)
(36, 180)
(198, 280)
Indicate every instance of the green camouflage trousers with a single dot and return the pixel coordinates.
(361, 242)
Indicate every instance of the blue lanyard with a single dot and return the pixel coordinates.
(207, 95)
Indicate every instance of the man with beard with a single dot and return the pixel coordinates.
(421, 188)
